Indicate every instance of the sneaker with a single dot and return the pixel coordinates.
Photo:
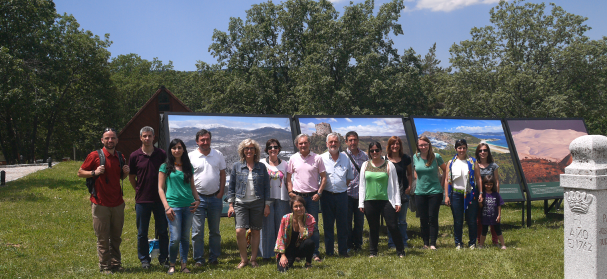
(164, 264)
(214, 262)
(117, 268)
(458, 247)
(401, 254)
(472, 246)
(145, 265)
(198, 264)
(106, 272)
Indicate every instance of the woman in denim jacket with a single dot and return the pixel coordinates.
(249, 198)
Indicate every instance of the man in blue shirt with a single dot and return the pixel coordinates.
(334, 199)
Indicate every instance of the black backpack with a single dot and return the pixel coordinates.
(90, 182)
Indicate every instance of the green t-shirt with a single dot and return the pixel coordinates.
(428, 181)
(178, 193)
(376, 180)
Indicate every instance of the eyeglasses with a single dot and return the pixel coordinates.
(483, 150)
(273, 147)
(374, 150)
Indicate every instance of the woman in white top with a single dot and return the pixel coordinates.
(277, 170)
(463, 193)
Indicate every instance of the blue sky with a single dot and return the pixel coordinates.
(468, 126)
(362, 126)
(181, 31)
(247, 123)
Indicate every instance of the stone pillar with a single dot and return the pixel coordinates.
(585, 206)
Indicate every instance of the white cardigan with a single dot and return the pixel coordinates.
(393, 191)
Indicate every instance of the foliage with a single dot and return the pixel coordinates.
(302, 57)
(54, 77)
(528, 63)
(51, 222)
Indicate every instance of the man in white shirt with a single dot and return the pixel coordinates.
(210, 179)
(334, 201)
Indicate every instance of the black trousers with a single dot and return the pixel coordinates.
(497, 227)
(427, 207)
(373, 211)
(305, 250)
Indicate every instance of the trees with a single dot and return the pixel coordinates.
(54, 78)
(528, 64)
(301, 57)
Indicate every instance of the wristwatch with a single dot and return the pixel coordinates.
(93, 173)
(319, 194)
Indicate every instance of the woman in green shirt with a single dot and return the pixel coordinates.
(180, 201)
(429, 189)
(379, 194)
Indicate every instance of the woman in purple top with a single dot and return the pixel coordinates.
(491, 210)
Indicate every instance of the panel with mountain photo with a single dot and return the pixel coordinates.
(443, 132)
(542, 147)
(369, 129)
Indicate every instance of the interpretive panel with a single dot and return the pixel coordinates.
(376, 128)
(542, 148)
(443, 132)
(229, 130)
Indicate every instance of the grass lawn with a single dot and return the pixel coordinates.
(46, 231)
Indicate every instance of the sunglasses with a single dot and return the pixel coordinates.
(109, 129)
(273, 147)
(249, 148)
(483, 151)
(374, 150)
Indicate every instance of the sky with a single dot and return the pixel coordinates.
(181, 30)
(516, 126)
(468, 126)
(362, 126)
(246, 123)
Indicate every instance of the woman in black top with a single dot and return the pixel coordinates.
(402, 163)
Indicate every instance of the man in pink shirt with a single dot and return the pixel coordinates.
(303, 172)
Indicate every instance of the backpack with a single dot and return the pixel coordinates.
(90, 182)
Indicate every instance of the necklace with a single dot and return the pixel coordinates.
(178, 165)
(274, 162)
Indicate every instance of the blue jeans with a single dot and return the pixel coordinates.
(144, 212)
(457, 208)
(355, 235)
(402, 224)
(269, 230)
(312, 207)
(210, 208)
(180, 234)
(333, 212)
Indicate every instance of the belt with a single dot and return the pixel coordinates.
(208, 196)
(305, 195)
(463, 192)
(332, 193)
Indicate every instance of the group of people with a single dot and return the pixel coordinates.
(276, 203)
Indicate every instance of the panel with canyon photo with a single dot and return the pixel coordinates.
(542, 147)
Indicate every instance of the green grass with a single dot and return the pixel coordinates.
(46, 231)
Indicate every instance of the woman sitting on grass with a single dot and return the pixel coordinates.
(180, 202)
(491, 210)
(295, 236)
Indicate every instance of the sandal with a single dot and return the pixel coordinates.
(317, 258)
(254, 264)
(171, 272)
(241, 265)
(185, 270)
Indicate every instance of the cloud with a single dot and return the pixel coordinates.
(449, 5)
(478, 129)
(214, 123)
(327, 119)
(348, 119)
(307, 128)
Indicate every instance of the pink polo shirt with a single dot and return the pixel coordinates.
(305, 172)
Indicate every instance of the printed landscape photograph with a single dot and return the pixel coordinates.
(228, 131)
(443, 132)
(542, 146)
(369, 129)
